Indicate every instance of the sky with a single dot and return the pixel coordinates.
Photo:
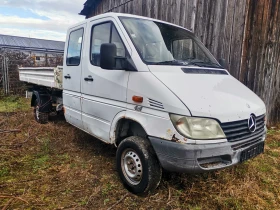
(43, 19)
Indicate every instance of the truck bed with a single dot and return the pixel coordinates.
(44, 76)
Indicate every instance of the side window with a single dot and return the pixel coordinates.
(74, 48)
(100, 35)
(104, 33)
(116, 39)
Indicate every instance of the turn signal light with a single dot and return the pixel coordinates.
(138, 99)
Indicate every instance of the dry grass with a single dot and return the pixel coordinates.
(56, 166)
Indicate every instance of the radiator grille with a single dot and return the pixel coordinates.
(238, 130)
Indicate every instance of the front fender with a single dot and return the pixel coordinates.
(157, 126)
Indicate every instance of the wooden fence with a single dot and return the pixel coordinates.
(260, 64)
(244, 32)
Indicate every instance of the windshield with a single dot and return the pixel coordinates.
(160, 43)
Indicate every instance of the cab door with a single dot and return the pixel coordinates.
(103, 90)
(72, 70)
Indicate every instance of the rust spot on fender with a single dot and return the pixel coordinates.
(169, 133)
(174, 139)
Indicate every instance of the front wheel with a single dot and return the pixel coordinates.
(137, 165)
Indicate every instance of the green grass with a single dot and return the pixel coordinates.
(4, 171)
(14, 103)
(56, 166)
(275, 143)
(41, 162)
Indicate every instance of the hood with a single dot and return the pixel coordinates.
(218, 96)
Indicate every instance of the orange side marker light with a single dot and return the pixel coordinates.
(138, 99)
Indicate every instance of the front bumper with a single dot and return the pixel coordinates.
(193, 158)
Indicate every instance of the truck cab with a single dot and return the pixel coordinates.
(153, 89)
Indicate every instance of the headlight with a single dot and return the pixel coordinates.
(197, 128)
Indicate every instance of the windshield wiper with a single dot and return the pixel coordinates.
(203, 64)
(172, 62)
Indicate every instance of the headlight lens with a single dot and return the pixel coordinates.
(197, 128)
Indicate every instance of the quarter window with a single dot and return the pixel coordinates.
(104, 33)
(74, 48)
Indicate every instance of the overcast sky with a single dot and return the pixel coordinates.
(44, 19)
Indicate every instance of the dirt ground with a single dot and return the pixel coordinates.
(56, 166)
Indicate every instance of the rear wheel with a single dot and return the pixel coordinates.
(137, 165)
(40, 117)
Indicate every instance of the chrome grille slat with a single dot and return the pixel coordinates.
(230, 124)
(255, 134)
(244, 131)
(238, 130)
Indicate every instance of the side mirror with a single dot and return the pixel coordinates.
(223, 63)
(108, 53)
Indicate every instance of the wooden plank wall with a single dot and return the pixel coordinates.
(244, 32)
(260, 68)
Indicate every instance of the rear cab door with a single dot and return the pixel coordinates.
(72, 69)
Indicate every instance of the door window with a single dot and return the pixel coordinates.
(100, 35)
(74, 48)
(104, 33)
(116, 39)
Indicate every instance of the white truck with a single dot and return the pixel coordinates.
(153, 90)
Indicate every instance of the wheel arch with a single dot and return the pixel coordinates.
(125, 125)
(44, 99)
(35, 95)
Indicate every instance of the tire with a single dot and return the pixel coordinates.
(40, 117)
(138, 165)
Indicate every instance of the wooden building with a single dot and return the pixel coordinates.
(42, 52)
(244, 32)
(24, 51)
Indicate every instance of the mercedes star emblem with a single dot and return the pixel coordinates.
(252, 125)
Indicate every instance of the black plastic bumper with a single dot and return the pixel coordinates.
(196, 158)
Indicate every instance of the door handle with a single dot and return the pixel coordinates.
(67, 76)
(88, 79)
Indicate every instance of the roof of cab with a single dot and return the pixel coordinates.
(116, 15)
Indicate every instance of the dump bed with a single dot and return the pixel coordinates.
(43, 76)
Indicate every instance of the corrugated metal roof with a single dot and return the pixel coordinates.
(24, 43)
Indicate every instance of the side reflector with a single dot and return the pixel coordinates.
(138, 99)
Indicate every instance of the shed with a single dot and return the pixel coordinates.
(15, 50)
(31, 44)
